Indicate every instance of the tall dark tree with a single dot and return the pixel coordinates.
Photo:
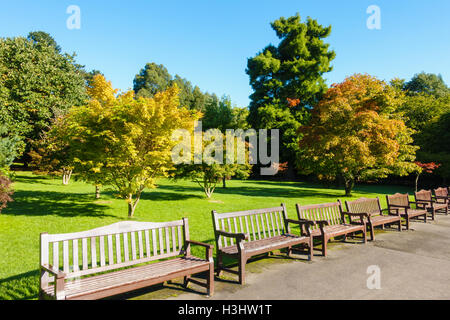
(287, 79)
(427, 83)
(155, 78)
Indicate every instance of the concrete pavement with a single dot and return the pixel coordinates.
(412, 264)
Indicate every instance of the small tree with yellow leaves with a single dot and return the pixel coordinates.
(125, 142)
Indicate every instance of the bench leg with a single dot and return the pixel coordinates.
(186, 281)
(210, 280)
(433, 214)
(242, 262)
(425, 217)
(311, 249)
(372, 231)
(365, 235)
(324, 245)
(219, 264)
(400, 225)
(407, 222)
(289, 252)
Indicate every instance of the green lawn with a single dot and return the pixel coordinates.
(43, 204)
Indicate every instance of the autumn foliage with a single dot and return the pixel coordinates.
(356, 133)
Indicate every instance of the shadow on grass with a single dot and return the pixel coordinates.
(24, 286)
(43, 203)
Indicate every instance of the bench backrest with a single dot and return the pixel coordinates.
(331, 212)
(441, 192)
(258, 224)
(398, 199)
(423, 195)
(371, 206)
(115, 246)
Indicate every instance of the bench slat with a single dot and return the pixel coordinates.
(76, 265)
(102, 251)
(66, 262)
(84, 253)
(140, 244)
(56, 256)
(125, 247)
(133, 245)
(118, 249)
(93, 252)
(110, 250)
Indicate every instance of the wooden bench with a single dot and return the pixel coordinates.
(375, 215)
(103, 262)
(441, 195)
(424, 199)
(244, 234)
(331, 221)
(400, 202)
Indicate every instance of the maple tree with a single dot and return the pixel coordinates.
(357, 134)
(125, 142)
(425, 167)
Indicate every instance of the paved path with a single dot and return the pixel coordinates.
(414, 264)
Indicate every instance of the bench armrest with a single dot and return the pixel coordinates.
(209, 248)
(206, 245)
(397, 211)
(301, 221)
(360, 214)
(237, 236)
(58, 274)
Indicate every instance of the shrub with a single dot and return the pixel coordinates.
(5, 192)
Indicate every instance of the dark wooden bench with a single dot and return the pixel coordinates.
(441, 195)
(401, 203)
(375, 215)
(424, 199)
(103, 262)
(331, 221)
(244, 234)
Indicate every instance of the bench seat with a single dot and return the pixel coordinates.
(137, 277)
(338, 230)
(267, 245)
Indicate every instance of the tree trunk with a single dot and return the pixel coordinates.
(97, 192)
(417, 181)
(66, 176)
(224, 182)
(132, 205)
(349, 184)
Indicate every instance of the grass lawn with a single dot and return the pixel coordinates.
(43, 204)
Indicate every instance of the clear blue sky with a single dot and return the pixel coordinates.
(208, 41)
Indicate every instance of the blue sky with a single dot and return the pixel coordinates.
(208, 42)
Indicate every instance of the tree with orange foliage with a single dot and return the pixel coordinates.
(357, 134)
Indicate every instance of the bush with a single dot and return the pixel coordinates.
(5, 192)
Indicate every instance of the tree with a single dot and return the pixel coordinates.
(52, 154)
(292, 70)
(425, 107)
(209, 173)
(5, 191)
(425, 167)
(125, 141)
(221, 115)
(10, 146)
(427, 83)
(356, 133)
(37, 84)
(155, 78)
(433, 141)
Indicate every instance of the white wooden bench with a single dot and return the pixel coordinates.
(103, 262)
